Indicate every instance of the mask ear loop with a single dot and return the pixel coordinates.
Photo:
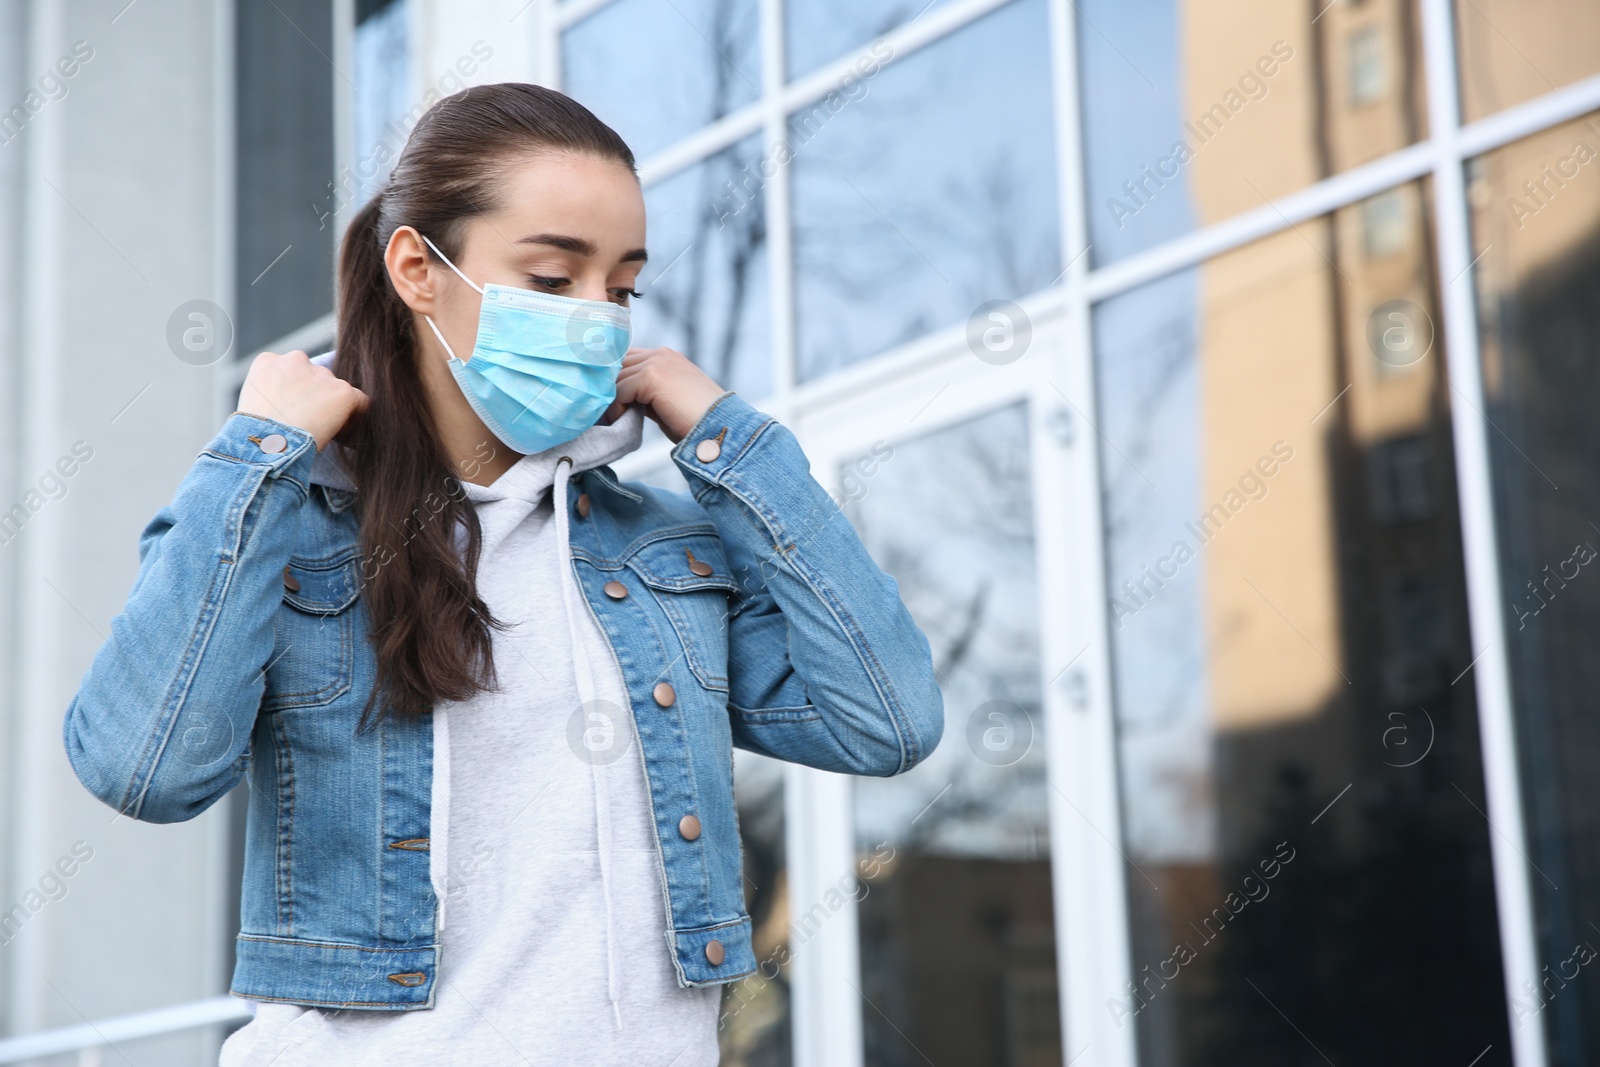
(431, 324)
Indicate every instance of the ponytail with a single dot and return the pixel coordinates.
(430, 630)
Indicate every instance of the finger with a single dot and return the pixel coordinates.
(627, 391)
(632, 376)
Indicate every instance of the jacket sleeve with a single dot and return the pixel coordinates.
(825, 665)
(160, 726)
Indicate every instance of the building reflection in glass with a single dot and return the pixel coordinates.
(1197, 112)
(1303, 801)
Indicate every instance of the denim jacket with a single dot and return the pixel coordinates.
(242, 650)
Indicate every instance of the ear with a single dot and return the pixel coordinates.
(412, 271)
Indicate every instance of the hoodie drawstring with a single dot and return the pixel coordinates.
(586, 693)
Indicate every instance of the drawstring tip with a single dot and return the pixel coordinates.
(616, 1010)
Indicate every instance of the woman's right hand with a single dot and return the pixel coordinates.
(293, 390)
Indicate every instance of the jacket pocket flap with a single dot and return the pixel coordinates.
(321, 587)
(683, 563)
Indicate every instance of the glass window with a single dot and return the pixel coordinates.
(705, 288)
(924, 189)
(382, 95)
(657, 70)
(1514, 50)
(1369, 76)
(822, 30)
(1308, 864)
(1386, 225)
(957, 938)
(1197, 112)
(1537, 231)
(284, 144)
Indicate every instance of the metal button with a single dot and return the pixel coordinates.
(700, 567)
(714, 953)
(583, 505)
(616, 590)
(665, 694)
(290, 582)
(274, 443)
(707, 450)
(689, 827)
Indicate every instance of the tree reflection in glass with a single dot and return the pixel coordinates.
(957, 938)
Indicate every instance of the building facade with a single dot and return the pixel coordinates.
(1213, 379)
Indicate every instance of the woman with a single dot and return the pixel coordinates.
(484, 694)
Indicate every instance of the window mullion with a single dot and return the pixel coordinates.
(1490, 671)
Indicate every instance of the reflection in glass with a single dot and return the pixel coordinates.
(1300, 776)
(1197, 112)
(657, 70)
(705, 288)
(1536, 231)
(818, 31)
(957, 941)
(1514, 50)
(382, 95)
(924, 190)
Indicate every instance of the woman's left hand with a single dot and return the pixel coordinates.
(674, 392)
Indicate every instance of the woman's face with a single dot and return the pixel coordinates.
(572, 225)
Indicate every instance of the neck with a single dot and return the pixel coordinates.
(475, 454)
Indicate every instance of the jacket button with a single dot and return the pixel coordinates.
(274, 443)
(700, 567)
(583, 505)
(290, 582)
(689, 827)
(707, 450)
(714, 953)
(616, 590)
(665, 694)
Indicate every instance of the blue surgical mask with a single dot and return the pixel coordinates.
(544, 367)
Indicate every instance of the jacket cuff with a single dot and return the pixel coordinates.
(728, 429)
(285, 451)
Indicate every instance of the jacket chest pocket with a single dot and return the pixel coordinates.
(688, 577)
(314, 654)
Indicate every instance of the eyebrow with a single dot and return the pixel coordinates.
(578, 246)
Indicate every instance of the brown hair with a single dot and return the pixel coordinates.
(430, 629)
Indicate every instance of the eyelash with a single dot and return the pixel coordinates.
(540, 280)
